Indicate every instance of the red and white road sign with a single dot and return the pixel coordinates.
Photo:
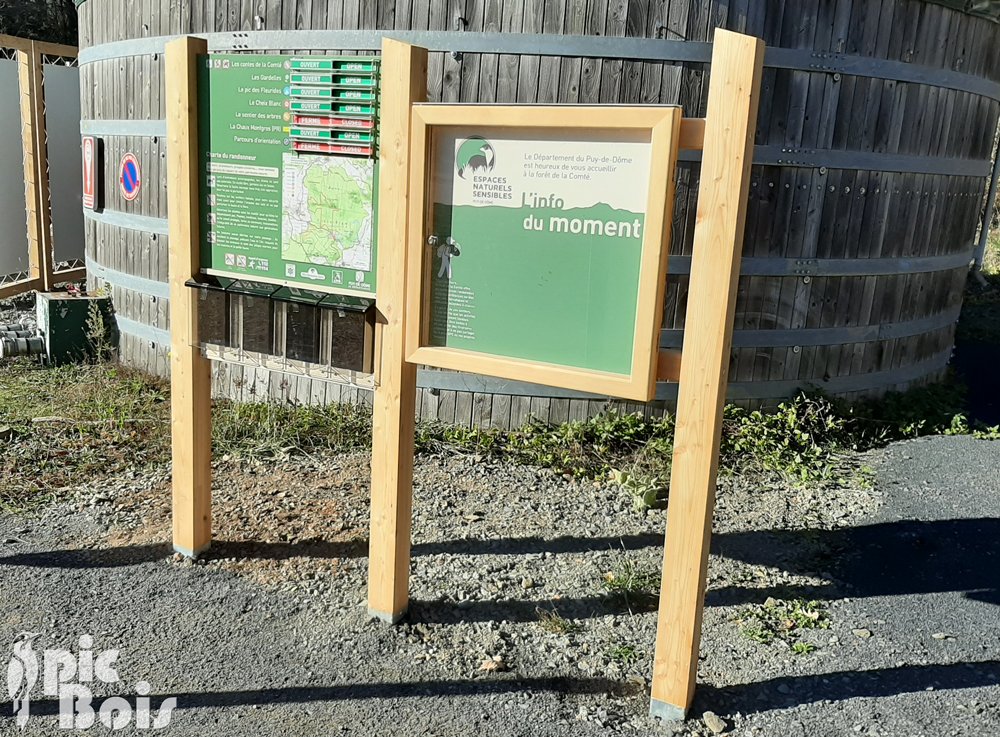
(89, 172)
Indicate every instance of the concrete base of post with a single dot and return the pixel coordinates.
(665, 712)
(387, 618)
(192, 554)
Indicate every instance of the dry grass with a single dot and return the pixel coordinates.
(991, 259)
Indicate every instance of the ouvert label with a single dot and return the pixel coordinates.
(538, 244)
(288, 169)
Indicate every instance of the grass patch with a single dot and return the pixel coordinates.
(624, 654)
(69, 424)
(634, 585)
(270, 429)
(784, 620)
(991, 256)
(551, 622)
(109, 419)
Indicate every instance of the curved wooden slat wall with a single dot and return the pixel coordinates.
(853, 275)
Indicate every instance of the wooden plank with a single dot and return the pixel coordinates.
(590, 70)
(404, 82)
(190, 374)
(615, 26)
(509, 64)
(482, 406)
(539, 409)
(520, 411)
(463, 409)
(732, 112)
(489, 64)
(36, 180)
(19, 287)
(636, 25)
(451, 68)
(500, 412)
(570, 68)
(469, 73)
(548, 66)
(429, 399)
(578, 409)
(558, 411)
(532, 21)
(446, 407)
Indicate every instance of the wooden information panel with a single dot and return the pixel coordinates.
(538, 237)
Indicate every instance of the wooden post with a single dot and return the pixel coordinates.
(715, 267)
(190, 372)
(404, 82)
(36, 179)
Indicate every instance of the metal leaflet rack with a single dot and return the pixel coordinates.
(300, 331)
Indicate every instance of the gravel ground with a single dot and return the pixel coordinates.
(270, 634)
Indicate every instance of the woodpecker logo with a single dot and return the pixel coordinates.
(64, 676)
(475, 156)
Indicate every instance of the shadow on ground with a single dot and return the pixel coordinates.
(892, 558)
(761, 696)
(359, 691)
(976, 363)
(886, 559)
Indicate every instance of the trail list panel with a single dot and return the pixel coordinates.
(288, 169)
(537, 244)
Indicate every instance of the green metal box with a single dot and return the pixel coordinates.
(75, 327)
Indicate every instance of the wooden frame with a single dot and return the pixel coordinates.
(41, 256)
(663, 125)
(703, 367)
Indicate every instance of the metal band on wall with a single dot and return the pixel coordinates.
(143, 331)
(767, 266)
(865, 160)
(678, 265)
(129, 221)
(763, 155)
(775, 338)
(139, 284)
(141, 128)
(643, 49)
(449, 381)
(791, 337)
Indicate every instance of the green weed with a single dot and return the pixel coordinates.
(784, 620)
(632, 584)
(624, 654)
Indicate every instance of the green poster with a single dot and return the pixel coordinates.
(537, 244)
(288, 170)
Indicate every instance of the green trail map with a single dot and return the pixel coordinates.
(328, 211)
(289, 179)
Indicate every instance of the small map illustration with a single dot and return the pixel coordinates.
(327, 206)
